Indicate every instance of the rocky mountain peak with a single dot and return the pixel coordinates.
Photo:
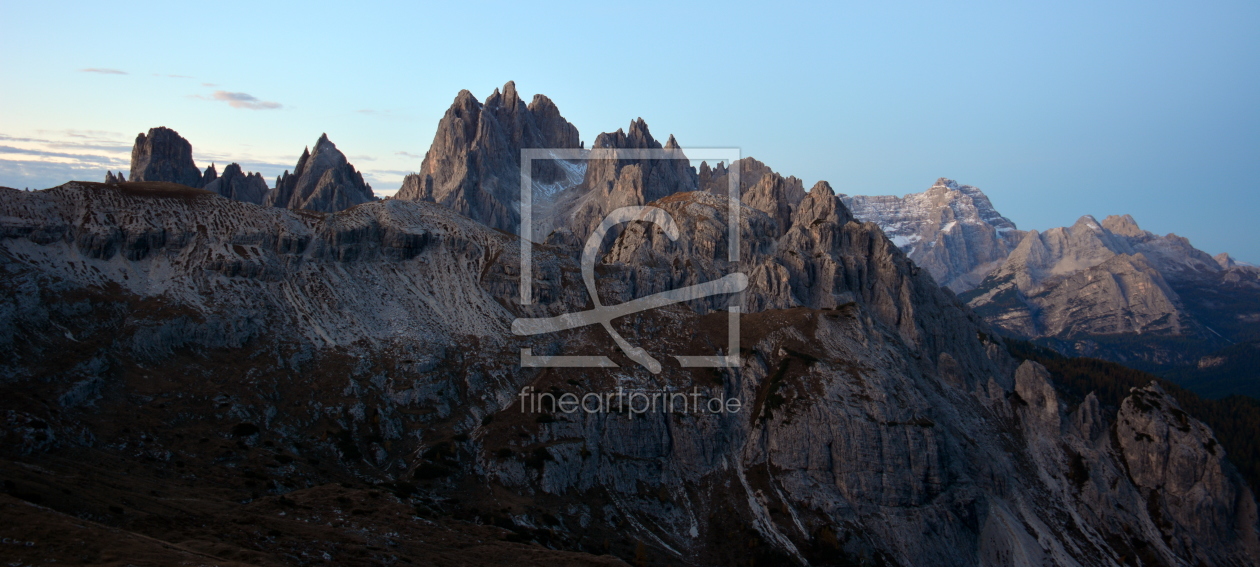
(110, 178)
(210, 175)
(820, 205)
(713, 179)
(611, 182)
(1094, 278)
(1087, 222)
(236, 184)
(473, 165)
(759, 187)
(1123, 225)
(324, 144)
(164, 155)
(637, 136)
(322, 180)
(951, 229)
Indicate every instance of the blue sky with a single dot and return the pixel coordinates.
(1055, 111)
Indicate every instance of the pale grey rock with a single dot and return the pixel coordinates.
(1092, 279)
(951, 230)
(1191, 490)
(1172, 255)
(322, 180)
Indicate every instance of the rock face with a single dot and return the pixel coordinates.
(473, 165)
(759, 186)
(1092, 279)
(236, 184)
(164, 155)
(610, 182)
(1190, 489)
(951, 230)
(209, 176)
(882, 422)
(321, 181)
(1112, 290)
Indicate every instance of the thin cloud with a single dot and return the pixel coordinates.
(209, 85)
(172, 76)
(103, 71)
(102, 143)
(407, 154)
(244, 100)
(48, 154)
(376, 173)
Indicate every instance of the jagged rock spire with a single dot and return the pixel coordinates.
(323, 180)
(473, 165)
(236, 184)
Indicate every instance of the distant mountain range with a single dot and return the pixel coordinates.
(1105, 289)
(321, 181)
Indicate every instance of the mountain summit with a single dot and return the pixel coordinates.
(322, 180)
(473, 165)
(951, 230)
(164, 155)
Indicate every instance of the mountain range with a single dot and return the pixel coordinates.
(322, 181)
(1105, 289)
(326, 377)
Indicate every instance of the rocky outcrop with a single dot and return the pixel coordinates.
(164, 155)
(238, 185)
(611, 182)
(322, 180)
(209, 176)
(951, 230)
(473, 165)
(110, 178)
(759, 186)
(1191, 492)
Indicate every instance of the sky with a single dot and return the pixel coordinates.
(1055, 110)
